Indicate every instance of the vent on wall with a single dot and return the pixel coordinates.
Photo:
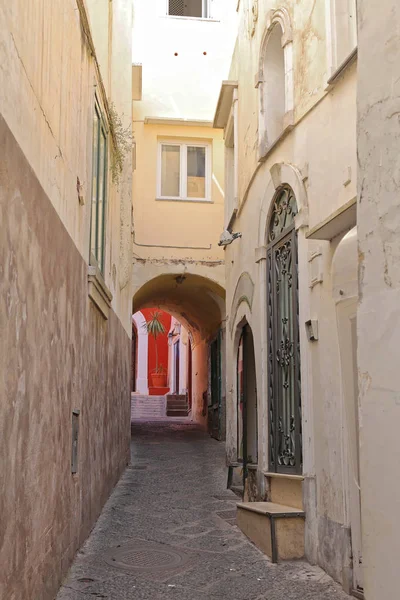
(75, 435)
(188, 8)
(176, 8)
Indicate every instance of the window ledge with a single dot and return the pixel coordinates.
(98, 291)
(199, 200)
(283, 476)
(205, 19)
(336, 75)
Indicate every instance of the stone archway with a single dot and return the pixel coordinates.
(199, 304)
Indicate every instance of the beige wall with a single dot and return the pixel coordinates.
(316, 156)
(379, 284)
(60, 353)
(163, 223)
(52, 79)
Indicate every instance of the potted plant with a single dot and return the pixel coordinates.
(159, 377)
(155, 328)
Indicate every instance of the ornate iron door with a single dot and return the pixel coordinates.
(283, 338)
(215, 408)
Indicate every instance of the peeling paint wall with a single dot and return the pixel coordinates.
(59, 354)
(379, 291)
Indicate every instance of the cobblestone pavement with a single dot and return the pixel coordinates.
(167, 532)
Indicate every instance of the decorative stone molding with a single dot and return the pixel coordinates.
(281, 16)
(98, 291)
(282, 173)
(253, 18)
(244, 292)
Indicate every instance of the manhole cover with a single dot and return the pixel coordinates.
(148, 557)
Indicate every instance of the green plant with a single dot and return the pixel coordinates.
(122, 143)
(155, 327)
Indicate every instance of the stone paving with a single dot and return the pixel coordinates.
(168, 533)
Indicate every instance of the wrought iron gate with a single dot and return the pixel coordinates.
(283, 337)
(215, 406)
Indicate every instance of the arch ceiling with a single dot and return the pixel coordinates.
(197, 302)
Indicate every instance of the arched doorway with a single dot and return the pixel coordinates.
(134, 355)
(284, 396)
(345, 294)
(247, 430)
(198, 303)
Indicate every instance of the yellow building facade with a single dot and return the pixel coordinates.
(178, 182)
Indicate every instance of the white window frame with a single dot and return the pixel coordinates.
(206, 4)
(183, 145)
(336, 65)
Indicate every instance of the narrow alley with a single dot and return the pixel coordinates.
(199, 299)
(168, 532)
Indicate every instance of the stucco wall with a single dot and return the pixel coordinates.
(164, 225)
(318, 158)
(186, 85)
(379, 291)
(48, 71)
(59, 355)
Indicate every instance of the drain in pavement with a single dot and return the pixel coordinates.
(153, 560)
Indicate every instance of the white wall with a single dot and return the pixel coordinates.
(187, 85)
(379, 291)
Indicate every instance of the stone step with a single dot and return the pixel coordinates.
(276, 529)
(148, 403)
(176, 412)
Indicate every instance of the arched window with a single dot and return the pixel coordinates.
(274, 85)
(275, 81)
(283, 336)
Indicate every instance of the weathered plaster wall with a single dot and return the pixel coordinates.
(48, 71)
(319, 158)
(379, 291)
(58, 354)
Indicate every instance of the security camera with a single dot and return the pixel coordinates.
(227, 238)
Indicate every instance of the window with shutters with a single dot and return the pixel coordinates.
(188, 8)
(99, 190)
(184, 171)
